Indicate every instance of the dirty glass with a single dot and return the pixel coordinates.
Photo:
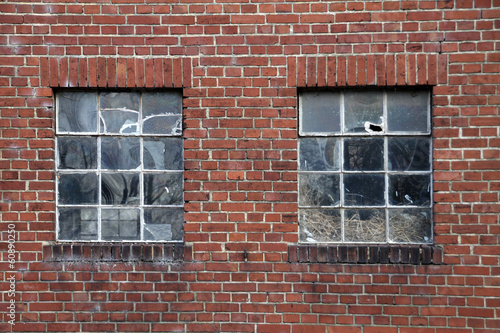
(319, 189)
(78, 223)
(410, 225)
(77, 188)
(120, 224)
(364, 225)
(407, 111)
(362, 109)
(320, 112)
(410, 190)
(364, 154)
(119, 122)
(163, 153)
(120, 153)
(120, 189)
(364, 189)
(163, 189)
(77, 112)
(162, 113)
(120, 100)
(164, 223)
(409, 154)
(76, 152)
(319, 154)
(320, 225)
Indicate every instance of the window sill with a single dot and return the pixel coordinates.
(93, 252)
(360, 254)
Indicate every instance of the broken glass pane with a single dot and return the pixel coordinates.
(163, 189)
(364, 190)
(120, 100)
(410, 225)
(120, 189)
(410, 190)
(364, 154)
(77, 223)
(408, 111)
(364, 225)
(77, 152)
(364, 112)
(162, 124)
(319, 190)
(119, 121)
(409, 154)
(77, 188)
(320, 225)
(120, 224)
(320, 112)
(163, 153)
(162, 113)
(164, 224)
(319, 154)
(120, 153)
(77, 112)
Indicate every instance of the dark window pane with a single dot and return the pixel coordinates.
(319, 190)
(409, 154)
(163, 189)
(120, 224)
(119, 121)
(364, 154)
(410, 190)
(77, 188)
(362, 109)
(77, 112)
(320, 112)
(120, 153)
(407, 111)
(410, 225)
(163, 153)
(164, 224)
(120, 189)
(77, 223)
(365, 225)
(364, 190)
(319, 154)
(120, 100)
(320, 225)
(77, 152)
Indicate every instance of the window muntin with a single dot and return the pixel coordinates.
(365, 167)
(119, 166)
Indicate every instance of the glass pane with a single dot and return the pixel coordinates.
(162, 113)
(77, 188)
(120, 189)
(120, 100)
(320, 225)
(410, 225)
(409, 154)
(319, 190)
(319, 154)
(320, 112)
(410, 190)
(77, 224)
(164, 224)
(77, 112)
(408, 111)
(364, 225)
(163, 153)
(120, 224)
(364, 190)
(364, 154)
(161, 124)
(119, 121)
(163, 189)
(77, 152)
(120, 153)
(364, 111)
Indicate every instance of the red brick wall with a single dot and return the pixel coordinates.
(240, 65)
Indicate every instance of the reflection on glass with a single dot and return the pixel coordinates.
(120, 153)
(364, 154)
(407, 111)
(161, 124)
(163, 154)
(164, 224)
(120, 100)
(410, 190)
(77, 112)
(364, 225)
(409, 154)
(120, 189)
(319, 190)
(77, 189)
(320, 112)
(410, 225)
(120, 224)
(77, 152)
(77, 223)
(363, 108)
(163, 189)
(364, 190)
(319, 154)
(165, 102)
(120, 121)
(320, 225)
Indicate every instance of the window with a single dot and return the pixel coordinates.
(119, 166)
(365, 167)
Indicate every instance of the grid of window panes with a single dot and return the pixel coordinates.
(119, 166)
(365, 172)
